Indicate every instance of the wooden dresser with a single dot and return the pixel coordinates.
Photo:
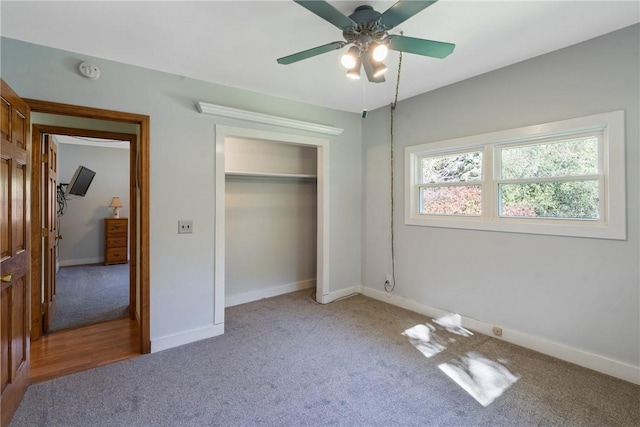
(116, 232)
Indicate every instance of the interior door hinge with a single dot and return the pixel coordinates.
(45, 232)
(45, 158)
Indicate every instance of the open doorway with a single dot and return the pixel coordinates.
(92, 269)
(138, 202)
(64, 185)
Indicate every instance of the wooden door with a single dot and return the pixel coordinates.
(50, 227)
(14, 250)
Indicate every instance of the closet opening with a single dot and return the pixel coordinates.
(272, 228)
(271, 219)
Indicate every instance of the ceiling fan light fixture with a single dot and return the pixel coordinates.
(354, 72)
(379, 52)
(350, 59)
(366, 32)
(379, 69)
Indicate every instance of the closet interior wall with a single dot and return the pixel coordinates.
(271, 218)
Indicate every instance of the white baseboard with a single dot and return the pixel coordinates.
(332, 296)
(182, 338)
(560, 351)
(83, 261)
(246, 297)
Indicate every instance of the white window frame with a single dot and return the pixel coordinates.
(612, 174)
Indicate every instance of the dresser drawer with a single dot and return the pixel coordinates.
(116, 227)
(116, 242)
(115, 255)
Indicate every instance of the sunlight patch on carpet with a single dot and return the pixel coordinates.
(483, 378)
(453, 323)
(423, 338)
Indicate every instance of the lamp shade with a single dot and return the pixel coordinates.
(350, 58)
(354, 73)
(379, 69)
(379, 52)
(115, 203)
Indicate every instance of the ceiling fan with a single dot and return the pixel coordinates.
(368, 30)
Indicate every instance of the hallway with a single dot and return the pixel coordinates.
(73, 350)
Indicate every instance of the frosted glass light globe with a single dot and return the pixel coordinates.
(380, 52)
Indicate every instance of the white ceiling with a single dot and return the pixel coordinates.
(236, 43)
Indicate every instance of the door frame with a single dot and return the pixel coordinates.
(140, 241)
(38, 132)
(222, 133)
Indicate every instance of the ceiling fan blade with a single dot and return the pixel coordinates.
(401, 11)
(329, 13)
(368, 68)
(290, 59)
(420, 46)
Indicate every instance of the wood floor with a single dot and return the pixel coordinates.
(65, 352)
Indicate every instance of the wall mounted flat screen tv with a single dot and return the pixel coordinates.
(81, 181)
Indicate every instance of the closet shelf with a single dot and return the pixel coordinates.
(292, 176)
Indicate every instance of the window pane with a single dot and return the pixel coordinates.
(456, 200)
(452, 168)
(566, 158)
(566, 199)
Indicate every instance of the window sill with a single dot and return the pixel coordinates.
(568, 228)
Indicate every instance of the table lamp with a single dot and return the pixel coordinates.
(116, 205)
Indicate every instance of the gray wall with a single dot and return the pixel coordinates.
(270, 234)
(82, 225)
(583, 293)
(182, 158)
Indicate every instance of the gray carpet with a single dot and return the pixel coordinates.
(88, 294)
(287, 361)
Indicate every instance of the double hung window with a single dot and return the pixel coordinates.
(561, 178)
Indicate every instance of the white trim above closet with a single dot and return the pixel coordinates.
(251, 116)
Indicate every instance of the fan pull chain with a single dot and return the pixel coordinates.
(364, 99)
(389, 287)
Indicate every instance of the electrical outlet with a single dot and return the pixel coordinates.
(185, 226)
(497, 331)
